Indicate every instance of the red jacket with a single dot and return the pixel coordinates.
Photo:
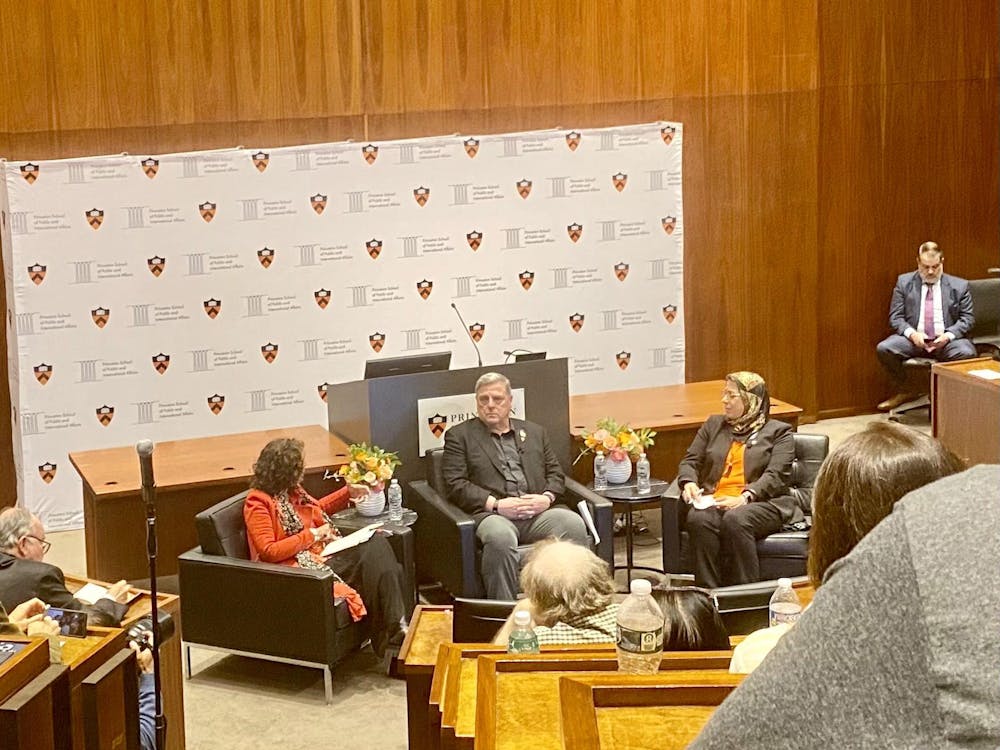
(268, 541)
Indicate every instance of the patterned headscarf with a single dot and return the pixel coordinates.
(756, 403)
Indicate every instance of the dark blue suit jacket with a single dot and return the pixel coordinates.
(906, 307)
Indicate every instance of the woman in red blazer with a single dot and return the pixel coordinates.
(285, 525)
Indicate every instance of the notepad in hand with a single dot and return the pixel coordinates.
(91, 592)
(351, 540)
(703, 501)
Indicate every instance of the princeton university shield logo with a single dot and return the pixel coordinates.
(475, 239)
(424, 288)
(370, 153)
(105, 414)
(477, 331)
(670, 313)
(29, 172)
(621, 270)
(437, 425)
(421, 195)
(270, 352)
(377, 341)
(321, 390)
(575, 231)
(100, 316)
(260, 160)
(322, 297)
(669, 222)
(156, 265)
(374, 247)
(619, 180)
(213, 307)
(207, 210)
(95, 217)
(216, 402)
(576, 321)
(43, 373)
(266, 256)
(524, 188)
(47, 472)
(161, 362)
(667, 133)
(623, 358)
(318, 202)
(527, 278)
(36, 273)
(573, 140)
(471, 147)
(150, 166)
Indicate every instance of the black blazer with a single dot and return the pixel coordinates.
(767, 463)
(21, 579)
(908, 299)
(472, 468)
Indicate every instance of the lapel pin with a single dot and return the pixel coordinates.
(524, 435)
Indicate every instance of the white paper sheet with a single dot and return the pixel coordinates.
(351, 540)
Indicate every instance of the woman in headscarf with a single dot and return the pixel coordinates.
(734, 479)
(286, 525)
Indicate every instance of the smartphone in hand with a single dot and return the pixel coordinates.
(72, 622)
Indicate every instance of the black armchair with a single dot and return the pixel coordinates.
(264, 610)
(985, 334)
(781, 555)
(447, 550)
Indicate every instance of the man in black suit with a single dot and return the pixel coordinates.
(931, 314)
(24, 575)
(503, 472)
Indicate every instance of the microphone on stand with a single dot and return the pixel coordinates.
(145, 450)
(468, 333)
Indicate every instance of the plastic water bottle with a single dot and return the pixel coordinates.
(600, 471)
(785, 605)
(639, 636)
(642, 474)
(522, 638)
(395, 502)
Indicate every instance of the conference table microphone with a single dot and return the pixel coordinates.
(468, 333)
(145, 450)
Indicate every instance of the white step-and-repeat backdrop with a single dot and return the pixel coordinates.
(206, 293)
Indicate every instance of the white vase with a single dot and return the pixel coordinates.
(372, 505)
(618, 472)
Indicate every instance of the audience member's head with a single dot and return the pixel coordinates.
(860, 482)
(691, 621)
(563, 580)
(279, 466)
(22, 534)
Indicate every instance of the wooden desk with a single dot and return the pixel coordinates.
(965, 410)
(518, 703)
(430, 626)
(674, 411)
(171, 677)
(190, 475)
(629, 712)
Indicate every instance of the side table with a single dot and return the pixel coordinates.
(627, 498)
(400, 537)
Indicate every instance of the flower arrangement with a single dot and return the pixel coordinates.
(369, 465)
(617, 440)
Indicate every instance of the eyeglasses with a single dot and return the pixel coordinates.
(46, 545)
(727, 396)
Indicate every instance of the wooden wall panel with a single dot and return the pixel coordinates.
(824, 139)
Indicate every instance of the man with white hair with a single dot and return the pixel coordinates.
(24, 575)
(504, 473)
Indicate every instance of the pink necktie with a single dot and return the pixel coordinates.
(929, 313)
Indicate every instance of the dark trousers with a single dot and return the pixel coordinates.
(724, 543)
(372, 570)
(896, 349)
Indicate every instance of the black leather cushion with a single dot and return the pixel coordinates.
(986, 308)
(478, 620)
(222, 530)
(792, 544)
(433, 461)
(810, 450)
